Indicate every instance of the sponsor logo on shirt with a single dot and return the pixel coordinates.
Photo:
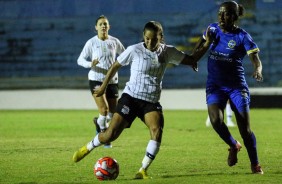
(219, 56)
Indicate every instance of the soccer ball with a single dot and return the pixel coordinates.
(106, 168)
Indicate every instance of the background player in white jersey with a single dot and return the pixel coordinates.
(98, 54)
(140, 98)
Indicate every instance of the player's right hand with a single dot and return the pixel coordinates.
(99, 91)
(94, 62)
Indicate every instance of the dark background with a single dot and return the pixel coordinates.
(41, 40)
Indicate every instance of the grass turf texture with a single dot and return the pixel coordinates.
(37, 147)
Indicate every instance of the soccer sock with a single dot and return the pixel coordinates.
(251, 146)
(109, 118)
(208, 122)
(224, 134)
(94, 143)
(228, 113)
(152, 150)
(102, 121)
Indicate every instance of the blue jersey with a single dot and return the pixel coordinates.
(225, 61)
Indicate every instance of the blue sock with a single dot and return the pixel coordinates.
(224, 134)
(251, 146)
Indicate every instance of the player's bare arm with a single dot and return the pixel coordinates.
(189, 60)
(202, 46)
(111, 72)
(254, 57)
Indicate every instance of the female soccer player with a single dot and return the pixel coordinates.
(228, 45)
(141, 95)
(98, 54)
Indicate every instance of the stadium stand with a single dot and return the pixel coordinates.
(41, 40)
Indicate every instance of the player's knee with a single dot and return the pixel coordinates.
(215, 121)
(156, 132)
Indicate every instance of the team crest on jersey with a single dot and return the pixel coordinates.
(125, 109)
(231, 44)
(110, 46)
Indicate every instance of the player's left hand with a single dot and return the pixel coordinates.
(258, 76)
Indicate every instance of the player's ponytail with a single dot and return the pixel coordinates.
(241, 10)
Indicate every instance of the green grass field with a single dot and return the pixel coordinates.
(37, 147)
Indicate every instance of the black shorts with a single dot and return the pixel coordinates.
(130, 108)
(111, 91)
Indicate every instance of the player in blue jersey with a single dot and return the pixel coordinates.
(228, 44)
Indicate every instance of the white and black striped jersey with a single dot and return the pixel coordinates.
(105, 51)
(147, 69)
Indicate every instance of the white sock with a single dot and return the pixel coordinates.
(208, 122)
(228, 113)
(102, 121)
(94, 143)
(152, 150)
(109, 118)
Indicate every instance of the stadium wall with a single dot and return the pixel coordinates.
(81, 99)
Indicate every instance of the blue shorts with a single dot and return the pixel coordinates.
(239, 97)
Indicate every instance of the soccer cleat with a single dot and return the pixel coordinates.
(80, 154)
(141, 174)
(256, 169)
(232, 157)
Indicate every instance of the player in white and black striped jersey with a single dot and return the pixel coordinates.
(98, 54)
(140, 98)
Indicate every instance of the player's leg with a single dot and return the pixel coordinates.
(216, 100)
(216, 117)
(217, 121)
(110, 134)
(102, 106)
(155, 122)
(111, 97)
(242, 99)
(123, 117)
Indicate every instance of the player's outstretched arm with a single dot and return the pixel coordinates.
(202, 46)
(254, 57)
(111, 72)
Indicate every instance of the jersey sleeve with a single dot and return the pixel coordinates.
(85, 56)
(126, 56)
(174, 56)
(249, 44)
(120, 47)
(213, 29)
